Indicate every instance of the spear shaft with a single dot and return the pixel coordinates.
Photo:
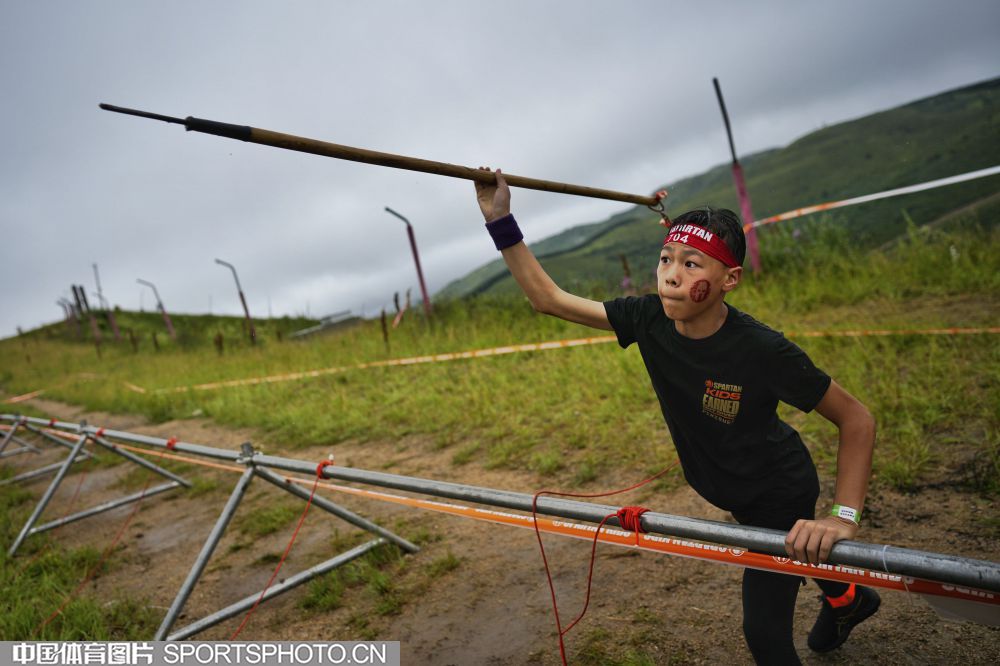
(326, 149)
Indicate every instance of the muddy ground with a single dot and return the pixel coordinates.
(494, 607)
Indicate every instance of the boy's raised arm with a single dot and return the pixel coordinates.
(544, 294)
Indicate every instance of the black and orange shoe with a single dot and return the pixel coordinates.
(838, 616)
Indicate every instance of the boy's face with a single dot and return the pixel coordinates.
(690, 282)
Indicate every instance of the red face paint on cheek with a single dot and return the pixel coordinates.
(700, 290)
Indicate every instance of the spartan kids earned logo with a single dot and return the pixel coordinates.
(721, 401)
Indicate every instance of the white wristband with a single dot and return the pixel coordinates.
(846, 512)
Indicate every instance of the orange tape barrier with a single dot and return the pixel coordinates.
(72, 377)
(26, 396)
(413, 360)
(650, 542)
(883, 332)
(528, 347)
(684, 547)
(62, 433)
(500, 351)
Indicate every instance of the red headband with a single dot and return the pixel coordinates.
(702, 240)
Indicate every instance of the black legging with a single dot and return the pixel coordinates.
(769, 598)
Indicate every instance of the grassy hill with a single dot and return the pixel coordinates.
(947, 134)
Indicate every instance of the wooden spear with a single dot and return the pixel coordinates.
(304, 145)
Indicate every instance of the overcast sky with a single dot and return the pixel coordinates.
(608, 94)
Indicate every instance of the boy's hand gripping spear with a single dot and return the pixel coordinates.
(304, 145)
(493, 198)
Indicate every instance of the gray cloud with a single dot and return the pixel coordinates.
(614, 95)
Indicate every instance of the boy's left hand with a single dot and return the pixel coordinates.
(811, 540)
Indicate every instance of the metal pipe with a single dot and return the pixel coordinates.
(339, 511)
(273, 591)
(159, 442)
(106, 506)
(416, 260)
(159, 304)
(981, 574)
(25, 443)
(108, 311)
(72, 323)
(77, 312)
(741, 186)
(35, 473)
(84, 455)
(83, 296)
(95, 330)
(9, 436)
(206, 552)
(47, 497)
(725, 118)
(325, 149)
(77, 298)
(142, 462)
(243, 300)
(100, 294)
(18, 451)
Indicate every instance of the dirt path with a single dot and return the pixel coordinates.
(493, 607)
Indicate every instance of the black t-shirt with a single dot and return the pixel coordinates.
(719, 397)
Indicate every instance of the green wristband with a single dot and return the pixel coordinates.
(847, 513)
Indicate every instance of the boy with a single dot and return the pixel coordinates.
(719, 374)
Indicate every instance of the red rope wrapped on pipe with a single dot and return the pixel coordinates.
(629, 518)
(288, 548)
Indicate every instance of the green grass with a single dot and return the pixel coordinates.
(599, 647)
(443, 565)
(267, 520)
(575, 414)
(375, 573)
(39, 579)
(324, 593)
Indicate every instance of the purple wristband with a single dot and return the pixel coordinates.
(505, 232)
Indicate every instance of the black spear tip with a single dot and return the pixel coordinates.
(241, 132)
(141, 114)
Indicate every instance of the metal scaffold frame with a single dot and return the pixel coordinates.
(9, 437)
(248, 457)
(61, 469)
(966, 579)
(28, 446)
